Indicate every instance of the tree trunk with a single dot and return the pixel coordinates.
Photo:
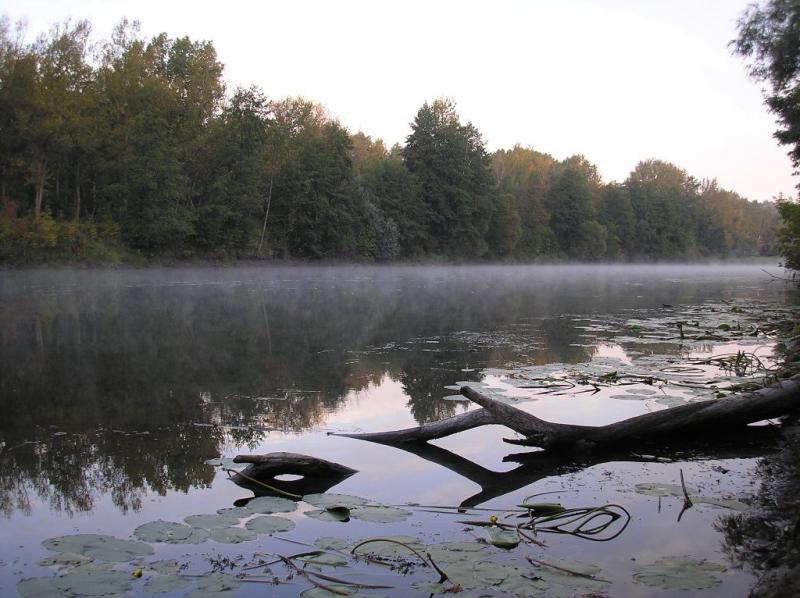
(77, 192)
(39, 179)
(266, 212)
(702, 417)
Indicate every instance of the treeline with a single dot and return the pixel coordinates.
(133, 147)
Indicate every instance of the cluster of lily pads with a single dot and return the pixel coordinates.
(663, 375)
(500, 558)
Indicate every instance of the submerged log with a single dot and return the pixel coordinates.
(702, 417)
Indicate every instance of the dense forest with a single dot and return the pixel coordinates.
(130, 149)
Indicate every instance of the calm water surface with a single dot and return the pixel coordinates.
(117, 386)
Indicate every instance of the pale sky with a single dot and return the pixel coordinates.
(616, 80)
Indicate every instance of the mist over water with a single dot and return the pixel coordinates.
(117, 385)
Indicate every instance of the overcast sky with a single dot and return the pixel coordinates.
(616, 80)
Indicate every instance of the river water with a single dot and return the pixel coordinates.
(119, 389)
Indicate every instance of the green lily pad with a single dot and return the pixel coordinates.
(502, 538)
(521, 583)
(428, 587)
(165, 567)
(393, 548)
(211, 521)
(727, 503)
(94, 583)
(653, 489)
(217, 582)
(232, 535)
(552, 575)
(104, 548)
(450, 552)
(326, 515)
(340, 513)
(271, 504)
(325, 500)
(162, 531)
(40, 587)
(238, 512)
(162, 584)
(324, 558)
(198, 536)
(379, 514)
(470, 575)
(330, 543)
(679, 573)
(269, 524)
(676, 490)
(65, 559)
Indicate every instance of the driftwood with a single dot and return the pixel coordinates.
(316, 475)
(702, 417)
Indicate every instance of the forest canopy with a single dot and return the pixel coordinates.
(135, 149)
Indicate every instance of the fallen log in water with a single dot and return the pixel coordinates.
(702, 417)
(315, 475)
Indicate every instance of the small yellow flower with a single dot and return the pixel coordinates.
(493, 519)
(137, 572)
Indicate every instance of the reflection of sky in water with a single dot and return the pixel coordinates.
(103, 355)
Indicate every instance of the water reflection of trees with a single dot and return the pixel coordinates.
(129, 352)
(68, 471)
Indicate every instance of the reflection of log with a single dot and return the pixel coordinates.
(754, 442)
(702, 417)
(316, 475)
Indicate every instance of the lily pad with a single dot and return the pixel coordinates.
(326, 500)
(271, 504)
(450, 552)
(210, 521)
(554, 575)
(198, 536)
(728, 503)
(165, 567)
(162, 531)
(470, 575)
(326, 515)
(162, 584)
(324, 558)
(502, 538)
(330, 543)
(652, 489)
(232, 535)
(238, 512)
(428, 587)
(65, 559)
(94, 583)
(104, 548)
(269, 524)
(380, 514)
(212, 584)
(676, 490)
(40, 587)
(679, 573)
(522, 583)
(396, 546)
